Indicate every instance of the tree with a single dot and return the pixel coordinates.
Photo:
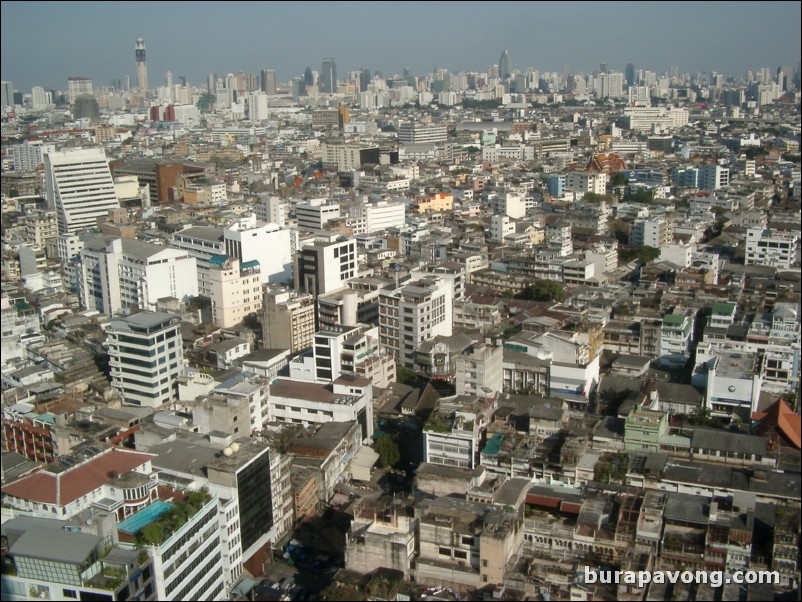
(206, 102)
(593, 197)
(644, 253)
(640, 196)
(620, 231)
(544, 290)
(388, 451)
(753, 152)
(618, 179)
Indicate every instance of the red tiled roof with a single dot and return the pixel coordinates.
(781, 417)
(65, 487)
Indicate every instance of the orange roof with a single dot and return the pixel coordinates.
(608, 163)
(67, 486)
(781, 417)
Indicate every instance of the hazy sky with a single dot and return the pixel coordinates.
(44, 43)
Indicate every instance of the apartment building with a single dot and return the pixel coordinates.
(775, 248)
(146, 356)
(289, 320)
(325, 264)
(79, 188)
(125, 273)
(413, 313)
(235, 290)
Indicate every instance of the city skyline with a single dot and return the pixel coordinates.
(544, 36)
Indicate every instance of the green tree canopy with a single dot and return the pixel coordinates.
(640, 196)
(645, 254)
(387, 448)
(544, 290)
(618, 179)
(206, 102)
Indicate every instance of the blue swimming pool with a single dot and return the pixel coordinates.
(135, 523)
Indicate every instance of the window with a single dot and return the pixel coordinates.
(69, 593)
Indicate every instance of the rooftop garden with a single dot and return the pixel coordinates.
(156, 532)
(438, 423)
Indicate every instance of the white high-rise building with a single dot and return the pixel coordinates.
(123, 273)
(325, 264)
(39, 98)
(79, 188)
(384, 214)
(415, 312)
(257, 106)
(29, 155)
(146, 357)
(6, 94)
(272, 246)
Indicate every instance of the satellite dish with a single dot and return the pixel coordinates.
(234, 447)
(227, 452)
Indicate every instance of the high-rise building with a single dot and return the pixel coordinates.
(328, 76)
(141, 65)
(268, 81)
(39, 98)
(505, 65)
(413, 313)
(289, 320)
(325, 265)
(79, 86)
(29, 155)
(630, 72)
(79, 188)
(146, 357)
(6, 94)
(364, 80)
(125, 273)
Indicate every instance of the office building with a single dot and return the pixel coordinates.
(79, 188)
(267, 243)
(289, 320)
(413, 313)
(6, 94)
(328, 76)
(28, 155)
(351, 350)
(141, 65)
(128, 274)
(325, 264)
(268, 81)
(252, 485)
(79, 86)
(422, 133)
(505, 65)
(146, 357)
(774, 248)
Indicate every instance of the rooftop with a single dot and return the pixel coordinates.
(66, 486)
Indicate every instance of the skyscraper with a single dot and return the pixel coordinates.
(79, 188)
(505, 65)
(7, 94)
(328, 76)
(269, 81)
(79, 86)
(141, 65)
(629, 72)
